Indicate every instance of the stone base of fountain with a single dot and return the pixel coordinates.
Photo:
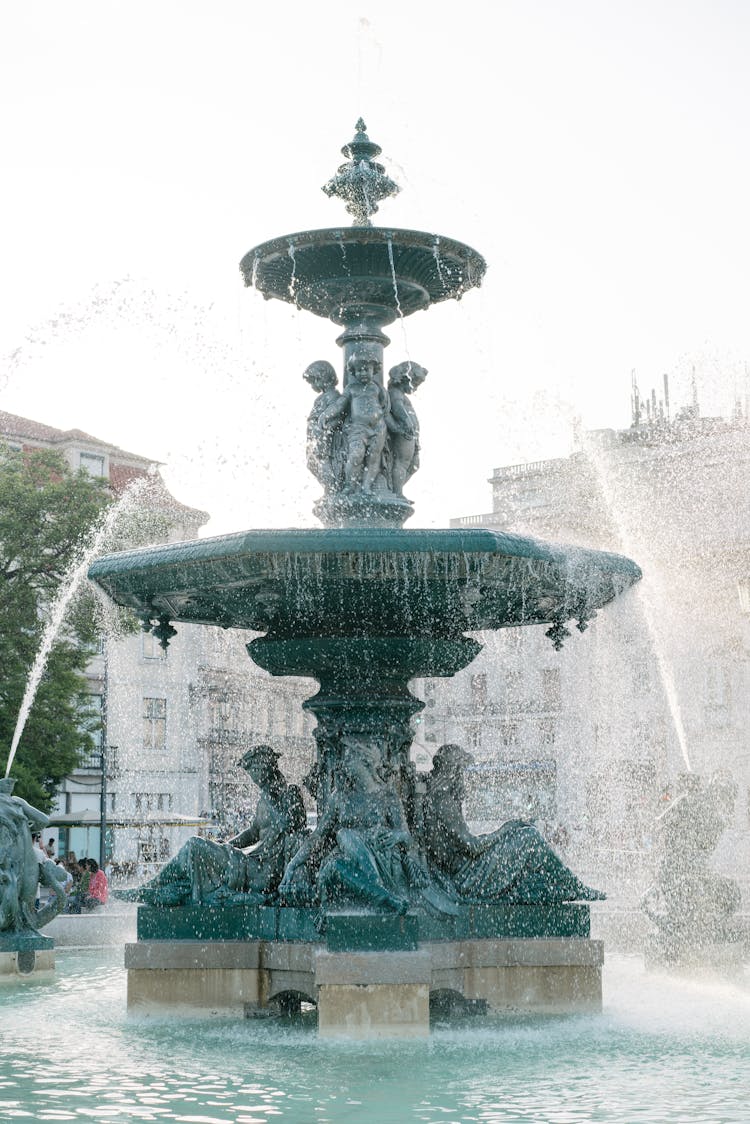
(364, 994)
(369, 975)
(25, 956)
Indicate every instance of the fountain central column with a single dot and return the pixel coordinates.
(363, 337)
(363, 694)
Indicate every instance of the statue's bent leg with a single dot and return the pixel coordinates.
(178, 880)
(355, 871)
(545, 873)
(372, 461)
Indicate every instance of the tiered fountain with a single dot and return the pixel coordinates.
(391, 899)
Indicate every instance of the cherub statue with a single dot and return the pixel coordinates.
(403, 424)
(324, 452)
(246, 868)
(364, 406)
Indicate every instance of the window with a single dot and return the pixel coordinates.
(474, 734)
(551, 694)
(547, 731)
(509, 733)
(96, 647)
(153, 801)
(479, 690)
(642, 682)
(224, 711)
(147, 850)
(152, 649)
(513, 688)
(91, 463)
(92, 721)
(154, 724)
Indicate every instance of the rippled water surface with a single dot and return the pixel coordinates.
(662, 1050)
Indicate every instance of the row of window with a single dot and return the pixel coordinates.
(515, 684)
(143, 802)
(506, 733)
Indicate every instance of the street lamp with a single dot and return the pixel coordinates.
(105, 751)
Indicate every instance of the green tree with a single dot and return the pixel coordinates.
(46, 513)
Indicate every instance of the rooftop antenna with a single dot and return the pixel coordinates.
(694, 385)
(635, 400)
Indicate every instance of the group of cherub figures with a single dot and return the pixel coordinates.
(365, 851)
(364, 439)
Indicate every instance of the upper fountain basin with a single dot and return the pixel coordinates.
(349, 271)
(365, 582)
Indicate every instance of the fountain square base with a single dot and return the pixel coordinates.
(364, 994)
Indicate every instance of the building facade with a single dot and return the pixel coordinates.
(174, 721)
(593, 738)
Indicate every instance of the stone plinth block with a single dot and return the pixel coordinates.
(365, 993)
(374, 1010)
(193, 977)
(26, 964)
(373, 994)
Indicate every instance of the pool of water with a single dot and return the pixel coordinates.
(662, 1050)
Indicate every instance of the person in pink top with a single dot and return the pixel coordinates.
(98, 888)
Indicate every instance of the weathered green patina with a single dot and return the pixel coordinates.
(21, 873)
(362, 930)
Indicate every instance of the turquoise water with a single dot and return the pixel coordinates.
(662, 1050)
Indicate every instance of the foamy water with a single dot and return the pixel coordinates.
(662, 1050)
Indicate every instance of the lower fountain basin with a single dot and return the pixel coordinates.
(365, 582)
(665, 1049)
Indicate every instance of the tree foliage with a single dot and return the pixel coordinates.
(46, 513)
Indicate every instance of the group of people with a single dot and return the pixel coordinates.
(367, 434)
(86, 886)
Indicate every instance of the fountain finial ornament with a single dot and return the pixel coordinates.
(361, 182)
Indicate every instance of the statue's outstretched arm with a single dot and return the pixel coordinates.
(336, 409)
(312, 845)
(32, 814)
(247, 837)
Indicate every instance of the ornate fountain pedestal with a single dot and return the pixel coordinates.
(372, 975)
(391, 905)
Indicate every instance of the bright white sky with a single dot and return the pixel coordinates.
(596, 153)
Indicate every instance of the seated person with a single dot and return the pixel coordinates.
(514, 863)
(98, 885)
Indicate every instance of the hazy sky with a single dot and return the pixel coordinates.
(595, 153)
